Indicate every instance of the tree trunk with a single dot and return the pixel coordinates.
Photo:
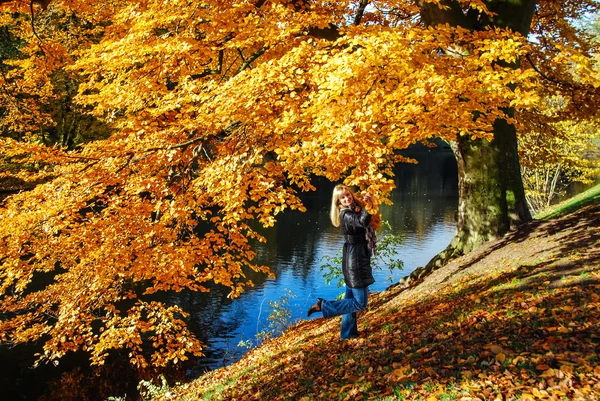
(491, 194)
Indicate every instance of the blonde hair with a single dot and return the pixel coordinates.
(334, 213)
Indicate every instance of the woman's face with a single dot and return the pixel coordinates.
(346, 199)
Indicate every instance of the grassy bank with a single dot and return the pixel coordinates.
(578, 201)
(516, 320)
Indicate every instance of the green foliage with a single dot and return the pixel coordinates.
(149, 390)
(280, 316)
(385, 256)
(333, 268)
(279, 319)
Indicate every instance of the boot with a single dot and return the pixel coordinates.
(315, 308)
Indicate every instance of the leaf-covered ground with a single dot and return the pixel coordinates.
(516, 320)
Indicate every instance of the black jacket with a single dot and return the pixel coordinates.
(356, 256)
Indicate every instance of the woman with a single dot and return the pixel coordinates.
(347, 213)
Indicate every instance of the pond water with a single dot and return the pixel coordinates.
(423, 213)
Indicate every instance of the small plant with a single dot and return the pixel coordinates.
(279, 319)
(245, 344)
(384, 256)
(429, 387)
(149, 390)
(448, 397)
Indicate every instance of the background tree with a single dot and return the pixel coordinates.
(36, 100)
(551, 164)
(563, 147)
(221, 112)
(492, 198)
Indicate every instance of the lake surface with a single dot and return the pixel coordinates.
(423, 213)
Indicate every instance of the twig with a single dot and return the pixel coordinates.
(177, 146)
(536, 69)
(33, 28)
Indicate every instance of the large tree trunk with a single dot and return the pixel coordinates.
(491, 194)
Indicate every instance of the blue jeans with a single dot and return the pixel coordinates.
(356, 299)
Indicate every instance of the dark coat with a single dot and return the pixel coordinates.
(356, 256)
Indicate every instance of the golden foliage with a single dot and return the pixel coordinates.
(222, 111)
(560, 154)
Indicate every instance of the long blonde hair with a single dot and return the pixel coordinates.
(334, 213)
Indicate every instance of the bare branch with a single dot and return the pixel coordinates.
(250, 59)
(546, 77)
(33, 27)
(360, 12)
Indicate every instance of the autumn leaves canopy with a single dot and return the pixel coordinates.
(220, 112)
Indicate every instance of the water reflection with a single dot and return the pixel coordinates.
(423, 212)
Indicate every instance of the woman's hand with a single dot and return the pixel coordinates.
(368, 199)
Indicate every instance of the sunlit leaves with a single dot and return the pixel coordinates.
(560, 153)
(221, 113)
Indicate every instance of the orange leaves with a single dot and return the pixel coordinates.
(402, 373)
(219, 113)
(158, 325)
(100, 228)
(508, 50)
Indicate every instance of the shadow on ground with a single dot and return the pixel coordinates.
(517, 320)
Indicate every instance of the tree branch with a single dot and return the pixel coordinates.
(250, 59)
(546, 77)
(177, 146)
(43, 3)
(360, 12)
(33, 27)
(210, 71)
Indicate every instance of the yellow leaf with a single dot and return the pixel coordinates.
(549, 373)
(402, 371)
